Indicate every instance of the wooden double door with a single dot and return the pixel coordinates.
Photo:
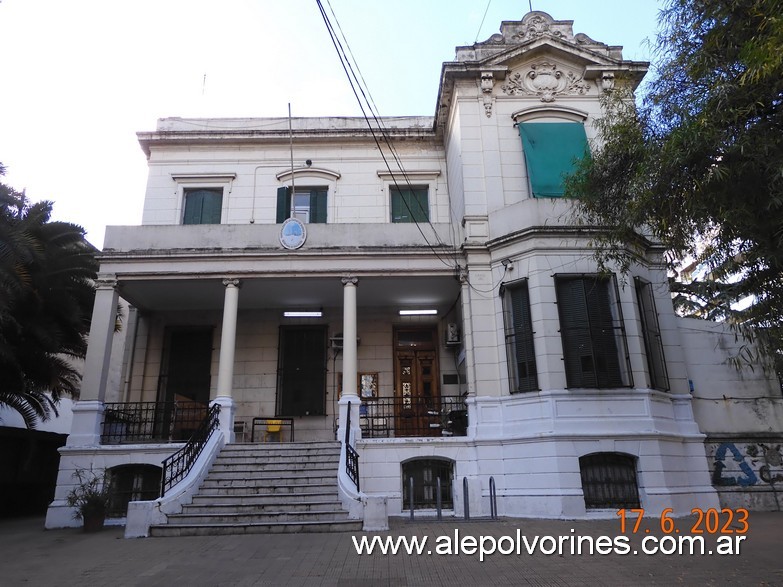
(417, 393)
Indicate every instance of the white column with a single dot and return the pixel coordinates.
(228, 337)
(88, 411)
(349, 336)
(104, 319)
(350, 364)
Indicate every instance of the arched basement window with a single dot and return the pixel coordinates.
(425, 473)
(609, 480)
(132, 483)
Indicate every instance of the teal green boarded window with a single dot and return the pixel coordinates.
(307, 204)
(551, 152)
(203, 206)
(410, 204)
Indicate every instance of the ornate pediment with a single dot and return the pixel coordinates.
(535, 27)
(546, 80)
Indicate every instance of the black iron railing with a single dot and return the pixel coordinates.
(351, 456)
(181, 462)
(151, 421)
(272, 429)
(394, 417)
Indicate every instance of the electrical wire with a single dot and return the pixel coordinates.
(353, 80)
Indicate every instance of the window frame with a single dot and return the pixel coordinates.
(411, 188)
(187, 192)
(610, 370)
(516, 328)
(202, 181)
(547, 114)
(319, 203)
(651, 335)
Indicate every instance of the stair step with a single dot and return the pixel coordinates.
(275, 461)
(267, 481)
(254, 518)
(260, 499)
(261, 507)
(320, 476)
(274, 469)
(271, 489)
(256, 528)
(268, 488)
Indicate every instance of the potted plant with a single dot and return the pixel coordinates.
(90, 496)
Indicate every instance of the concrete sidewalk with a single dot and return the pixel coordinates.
(31, 555)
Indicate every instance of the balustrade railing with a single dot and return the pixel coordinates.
(139, 422)
(351, 456)
(395, 417)
(178, 465)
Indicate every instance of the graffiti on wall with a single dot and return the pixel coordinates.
(751, 463)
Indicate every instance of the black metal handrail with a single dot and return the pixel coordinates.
(137, 422)
(390, 417)
(181, 462)
(351, 456)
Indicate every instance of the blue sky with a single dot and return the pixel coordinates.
(81, 77)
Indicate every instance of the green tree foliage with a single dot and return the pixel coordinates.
(698, 164)
(47, 272)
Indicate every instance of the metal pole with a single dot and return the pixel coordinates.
(410, 494)
(465, 497)
(438, 499)
(493, 499)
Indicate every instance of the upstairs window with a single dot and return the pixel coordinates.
(203, 206)
(551, 152)
(519, 338)
(307, 205)
(651, 331)
(410, 204)
(591, 327)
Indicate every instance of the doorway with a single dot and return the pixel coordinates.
(301, 389)
(416, 375)
(185, 379)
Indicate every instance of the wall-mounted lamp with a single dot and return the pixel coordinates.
(418, 312)
(303, 314)
(508, 265)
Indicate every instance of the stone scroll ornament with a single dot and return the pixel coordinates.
(546, 81)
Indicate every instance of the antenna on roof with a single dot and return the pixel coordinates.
(291, 144)
(478, 32)
(530, 3)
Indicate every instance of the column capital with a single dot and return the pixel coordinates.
(234, 282)
(350, 279)
(106, 282)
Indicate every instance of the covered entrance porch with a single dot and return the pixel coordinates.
(274, 346)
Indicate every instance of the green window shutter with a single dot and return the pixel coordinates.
(203, 206)
(194, 201)
(589, 332)
(212, 207)
(318, 206)
(410, 205)
(551, 152)
(519, 337)
(283, 204)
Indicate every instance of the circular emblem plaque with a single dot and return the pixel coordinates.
(293, 233)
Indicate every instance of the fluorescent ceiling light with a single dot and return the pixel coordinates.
(304, 314)
(418, 312)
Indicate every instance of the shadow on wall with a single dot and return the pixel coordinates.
(28, 470)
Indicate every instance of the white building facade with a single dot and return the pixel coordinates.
(570, 389)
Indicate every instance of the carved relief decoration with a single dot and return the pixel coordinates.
(537, 25)
(547, 81)
(487, 84)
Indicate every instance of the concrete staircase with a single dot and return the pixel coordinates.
(266, 488)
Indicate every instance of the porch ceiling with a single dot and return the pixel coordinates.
(160, 295)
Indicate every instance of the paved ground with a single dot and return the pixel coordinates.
(30, 555)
